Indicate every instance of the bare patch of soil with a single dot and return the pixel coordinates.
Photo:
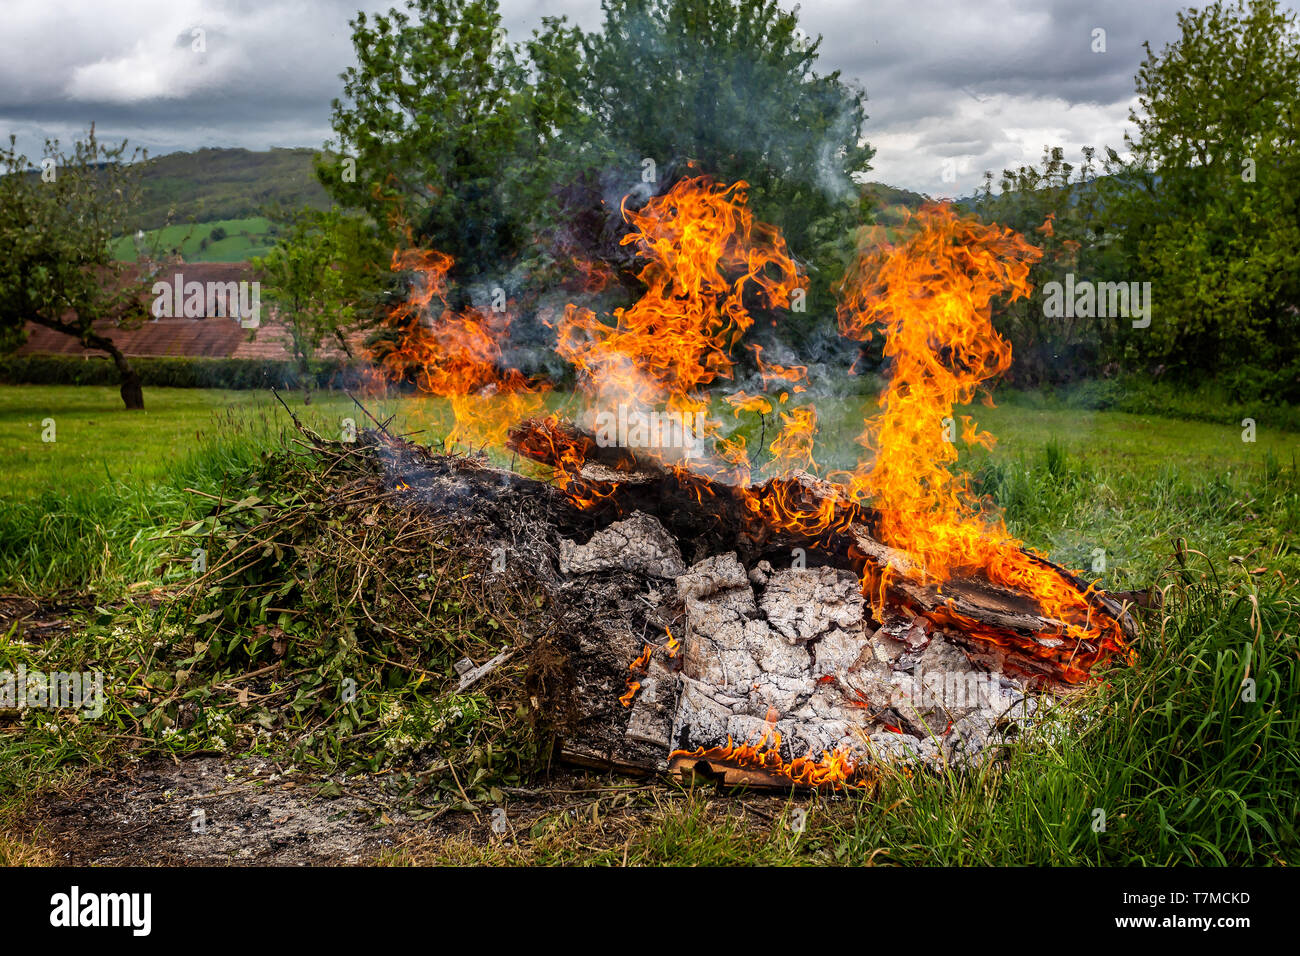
(220, 811)
(217, 811)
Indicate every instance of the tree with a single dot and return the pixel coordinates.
(729, 85)
(483, 147)
(434, 132)
(56, 267)
(318, 271)
(1060, 207)
(1212, 212)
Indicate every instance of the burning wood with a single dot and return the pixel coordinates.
(814, 611)
(991, 618)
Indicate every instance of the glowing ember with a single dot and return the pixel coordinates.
(637, 667)
(832, 770)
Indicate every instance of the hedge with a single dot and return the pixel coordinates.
(174, 372)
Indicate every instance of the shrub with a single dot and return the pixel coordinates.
(175, 372)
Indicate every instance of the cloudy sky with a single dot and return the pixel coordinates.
(955, 87)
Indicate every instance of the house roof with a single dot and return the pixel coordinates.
(208, 337)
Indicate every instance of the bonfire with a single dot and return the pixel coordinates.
(792, 625)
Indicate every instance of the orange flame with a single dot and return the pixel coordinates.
(706, 255)
(707, 263)
(779, 373)
(637, 667)
(792, 449)
(455, 355)
(833, 770)
(591, 276)
(932, 296)
(640, 666)
(742, 401)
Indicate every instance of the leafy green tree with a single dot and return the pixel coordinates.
(730, 85)
(438, 132)
(446, 126)
(1060, 208)
(56, 267)
(1211, 211)
(316, 275)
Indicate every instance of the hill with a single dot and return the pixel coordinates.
(890, 205)
(223, 240)
(209, 204)
(211, 185)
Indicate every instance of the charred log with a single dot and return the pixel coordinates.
(993, 621)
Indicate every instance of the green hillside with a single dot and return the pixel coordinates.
(215, 200)
(212, 185)
(225, 240)
(891, 205)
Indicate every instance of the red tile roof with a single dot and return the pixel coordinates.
(211, 337)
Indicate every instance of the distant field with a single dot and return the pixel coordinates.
(226, 240)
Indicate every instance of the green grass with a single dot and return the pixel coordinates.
(244, 239)
(1184, 764)
(100, 444)
(1071, 481)
(79, 512)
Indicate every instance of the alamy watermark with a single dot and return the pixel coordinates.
(1086, 299)
(950, 688)
(634, 428)
(133, 911)
(177, 299)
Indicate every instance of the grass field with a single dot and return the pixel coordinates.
(1185, 767)
(243, 239)
(1124, 483)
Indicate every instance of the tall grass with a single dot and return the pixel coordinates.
(1192, 756)
(108, 536)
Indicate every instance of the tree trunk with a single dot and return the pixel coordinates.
(305, 374)
(132, 389)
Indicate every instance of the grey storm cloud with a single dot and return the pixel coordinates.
(954, 88)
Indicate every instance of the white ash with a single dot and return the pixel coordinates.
(718, 573)
(655, 705)
(798, 646)
(638, 544)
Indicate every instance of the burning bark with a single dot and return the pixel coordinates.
(1003, 624)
